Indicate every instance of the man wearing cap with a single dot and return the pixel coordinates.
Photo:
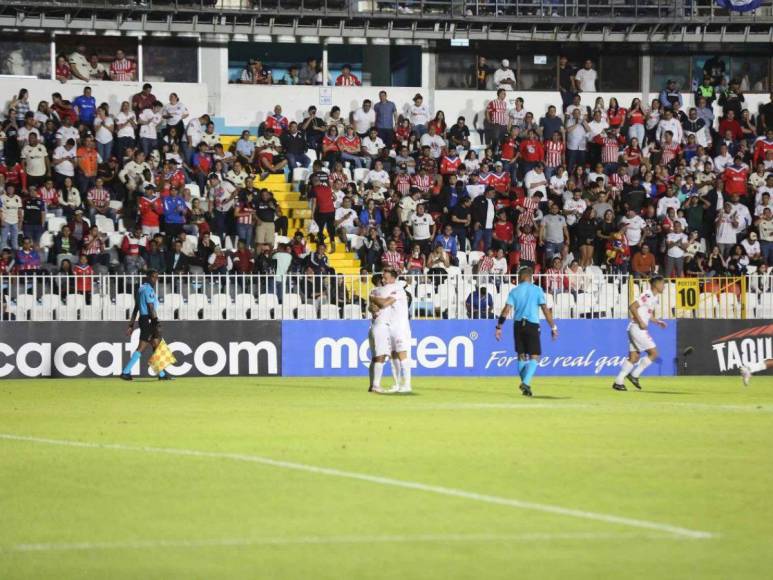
(418, 114)
(504, 77)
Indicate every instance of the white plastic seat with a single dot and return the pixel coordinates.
(46, 240)
(220, 300)
(360, 174)
(352, 312)
(166, 311)
(244, 301)
(105, 224)
(24, 305)
(329, 312)
(728, 306)
(173, 299)
(51, 303)
(290, 303)
(474, 257)
(78, 300)
(116, 205)
(213, 312)
(124, 304)
(54, 224)
(707, 306)
(92, 312)
(69, 311)
(300, 174)
(195, 305)
(565, 305)
(306, 312)
(194, 189)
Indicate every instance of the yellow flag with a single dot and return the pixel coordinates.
(161, 358)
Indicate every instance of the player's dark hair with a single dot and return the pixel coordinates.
(656, 278)
(525, 273)
(376, 279)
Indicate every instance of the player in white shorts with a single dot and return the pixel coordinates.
(642, 312)
(399, 328)
(378, 338)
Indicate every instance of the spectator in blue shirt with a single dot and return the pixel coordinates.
(86, 107)
(670, 95)
(480, 304)
(245, 149)
(448, 240)
(386, 113)
(175, 211)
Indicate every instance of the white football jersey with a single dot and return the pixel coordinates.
(648, 303)
(398, 311)
(380, 315)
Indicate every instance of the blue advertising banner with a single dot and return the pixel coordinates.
(468, 348)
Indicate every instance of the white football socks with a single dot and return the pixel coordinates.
(642, 365)
(405, 371)
(394, 365)
(378, 371)
(624, 370)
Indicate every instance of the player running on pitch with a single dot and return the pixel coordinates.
(639, 339)
(378, 337)
(751, 369)
(525, 300)
(146, 304)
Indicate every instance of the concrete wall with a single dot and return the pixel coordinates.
(247, 105)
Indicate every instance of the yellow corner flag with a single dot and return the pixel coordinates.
(161, 358)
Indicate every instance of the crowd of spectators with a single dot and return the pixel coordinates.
(89, 66)
(256, 72)
(630, 188)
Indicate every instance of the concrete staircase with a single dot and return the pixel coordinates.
(299, 215)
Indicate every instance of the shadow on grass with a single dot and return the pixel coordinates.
(548, 397)
(666, 392)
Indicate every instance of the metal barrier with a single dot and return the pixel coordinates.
(406, 9)
(592, 294)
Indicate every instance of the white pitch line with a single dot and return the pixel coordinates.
(330, 540)
(387, 481)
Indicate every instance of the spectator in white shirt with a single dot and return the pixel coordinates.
(363, 119)
(372, 144)
(586, 78)
(418, 115)
(67, 131)
(378, 178)
(504, 77)
(64, 159)
(634, 225)
(669, 123)
(435, 142)
(676, 243)
(174, 114)
(535, 181)
(149, 121)
(723, 160)
(668, 201)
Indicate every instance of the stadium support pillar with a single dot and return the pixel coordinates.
(646, 74)
(214, 68)
(428, 68)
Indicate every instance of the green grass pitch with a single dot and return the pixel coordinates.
(218, 478)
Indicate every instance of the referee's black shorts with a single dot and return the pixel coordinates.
(148, 329)
(527, 338)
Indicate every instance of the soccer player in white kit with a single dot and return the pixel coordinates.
(642, 312)
(399, 328)
(378, 335)
(748, 370)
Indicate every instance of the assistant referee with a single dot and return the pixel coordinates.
(146, 305)
(525, 300)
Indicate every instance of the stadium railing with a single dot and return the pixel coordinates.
(407, 9)
(593, 294)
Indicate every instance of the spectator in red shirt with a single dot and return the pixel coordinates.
(735, 177)
(144, 99)
(504, 232)
(346, 78)
(150, 210)
(729, 123)
(62, 71)
(323, 210)
(84, 276)
(531, 152)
